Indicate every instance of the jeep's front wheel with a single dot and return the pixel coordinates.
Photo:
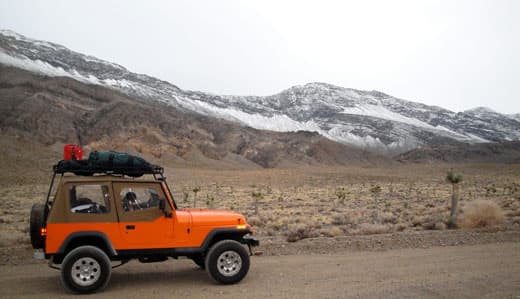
(85, 269)
(227, 262)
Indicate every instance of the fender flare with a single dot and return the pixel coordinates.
(84, 234)
(223, 231)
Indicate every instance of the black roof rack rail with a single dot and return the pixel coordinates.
(86, 170)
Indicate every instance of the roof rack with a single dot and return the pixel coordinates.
(81, 167)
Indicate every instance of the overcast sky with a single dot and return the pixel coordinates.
(454, 54)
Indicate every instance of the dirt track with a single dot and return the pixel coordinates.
(469, 271)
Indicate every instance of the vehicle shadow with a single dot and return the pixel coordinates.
(133, 278)
(149, 275)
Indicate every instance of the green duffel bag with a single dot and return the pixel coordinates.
(78, 167)
(118, 162)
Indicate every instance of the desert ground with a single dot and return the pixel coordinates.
(476, 271)
(360, 231)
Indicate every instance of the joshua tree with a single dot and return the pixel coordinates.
(195, 191)
(210, 201)
(375, 190)
(185, 195)
(341, 195)
(257, 195)
(454, 179)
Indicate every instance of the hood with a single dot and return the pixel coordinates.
(205, 217)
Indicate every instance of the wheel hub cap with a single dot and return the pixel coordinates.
(229, 263)
(85, 271)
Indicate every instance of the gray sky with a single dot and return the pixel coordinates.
(454, 54)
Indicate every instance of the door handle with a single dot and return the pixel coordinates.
(130, 227)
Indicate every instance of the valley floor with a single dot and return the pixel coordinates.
(292, 204)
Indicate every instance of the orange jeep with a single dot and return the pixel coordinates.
(105, 218)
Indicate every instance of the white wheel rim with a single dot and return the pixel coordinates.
(229, 263)
(85, 271)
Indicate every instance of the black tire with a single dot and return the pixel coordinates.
(86, 269)
(36, 223)
(227, 262)
(199, 261)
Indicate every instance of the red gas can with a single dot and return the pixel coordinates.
(72, 152)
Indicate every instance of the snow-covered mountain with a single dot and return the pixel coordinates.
(368, 119)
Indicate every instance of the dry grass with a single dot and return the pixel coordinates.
(482, 213)
(300, 231)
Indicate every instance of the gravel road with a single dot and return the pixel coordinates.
(464, 271)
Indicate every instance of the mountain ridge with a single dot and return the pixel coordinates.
(50, 111)
(369, 120)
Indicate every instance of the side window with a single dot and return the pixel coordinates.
(139, 198)
(91, 198)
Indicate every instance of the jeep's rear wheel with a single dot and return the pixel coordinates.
(85, 269)
(36, 221)
(227, 262)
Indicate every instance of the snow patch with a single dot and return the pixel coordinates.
(41, 67)
(381, 112)
(96, 60)
(10, 33)
(477, 139)
(277, 122)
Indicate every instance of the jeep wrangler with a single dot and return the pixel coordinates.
(99, 220)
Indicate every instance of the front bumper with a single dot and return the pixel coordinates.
(250, 242)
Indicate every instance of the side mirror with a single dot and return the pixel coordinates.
(162, 204)
(162, 207)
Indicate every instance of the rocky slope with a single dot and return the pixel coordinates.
(56, 110)
(503, 152)
(365, 119)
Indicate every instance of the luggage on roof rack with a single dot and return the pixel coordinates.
(108, 163)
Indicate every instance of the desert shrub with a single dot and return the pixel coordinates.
(299, 232)
(513, 213)
(401, 226)
(345, 218)
(373, 229)
(440, 225)
(418, 220)
(387, 217)
(332, 231)
(255, 221)
(491, 190)
(339, 219)
(375, 189)
(432, 222)
(482, 213)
